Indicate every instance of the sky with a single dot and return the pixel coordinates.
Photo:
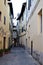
(17, 5)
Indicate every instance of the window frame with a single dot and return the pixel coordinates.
(40, 19)
(4, 20)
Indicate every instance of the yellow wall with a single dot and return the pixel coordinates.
(5, 12)
(22, 38)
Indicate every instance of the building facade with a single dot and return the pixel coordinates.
(4, 24)
(11, 23)
(22, 25)
(32, 38)
(35, 30)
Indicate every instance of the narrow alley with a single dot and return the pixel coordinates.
(17, 56)
(21, 32)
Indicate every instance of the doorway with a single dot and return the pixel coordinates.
(31, 47)
(26, 42)
(4, 42)
(14, 42)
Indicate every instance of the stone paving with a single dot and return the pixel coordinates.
(17, 56)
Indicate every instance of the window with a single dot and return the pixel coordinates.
(22, 18)
(29, 4)
(41, 22)
(40, 19)
(0, 16)
(22, 29)
(5, 2)
(4, 20)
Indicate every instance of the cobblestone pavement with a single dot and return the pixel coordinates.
(17, 56)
